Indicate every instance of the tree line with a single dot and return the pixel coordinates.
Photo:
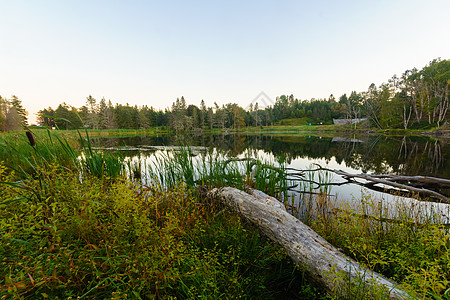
(12, 114)
(416, 99)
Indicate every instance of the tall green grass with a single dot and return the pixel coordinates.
(49, 148)
(98, 163)
(55, 148)
(213, 168)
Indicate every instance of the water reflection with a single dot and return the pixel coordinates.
(405, 155)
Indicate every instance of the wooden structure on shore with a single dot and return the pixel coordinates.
(348, 121)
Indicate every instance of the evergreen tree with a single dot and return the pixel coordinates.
(66, 117)
(45, 117)
(92, 118)
(3, 110)
(16, 105)
(203, 114)
(12, 114)
(102, 111)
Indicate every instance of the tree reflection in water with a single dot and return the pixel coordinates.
(373, 154)
(376, 154)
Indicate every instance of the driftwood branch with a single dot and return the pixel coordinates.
(326, 264)
(394, 184)
(420, 179)
(391, 180)
(293, 174)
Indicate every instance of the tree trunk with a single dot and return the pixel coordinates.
(326, 264)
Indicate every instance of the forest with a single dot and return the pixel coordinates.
(418, 99)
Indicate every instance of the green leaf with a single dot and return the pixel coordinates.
(14, 200)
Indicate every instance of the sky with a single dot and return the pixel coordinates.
(152, 52)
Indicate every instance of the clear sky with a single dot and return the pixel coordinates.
(151, 52)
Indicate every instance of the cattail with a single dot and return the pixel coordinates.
(30, 138)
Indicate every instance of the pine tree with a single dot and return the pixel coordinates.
(203, 114)
(12, 114)
(92, 117)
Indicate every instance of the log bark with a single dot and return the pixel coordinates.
(326, 264)
(442, 182)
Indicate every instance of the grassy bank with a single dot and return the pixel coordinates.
(284, 126)
(410, 249)
(72, 224)
(330, 129)
(72, 228)
(98, 240)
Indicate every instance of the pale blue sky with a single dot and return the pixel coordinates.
(149, 52)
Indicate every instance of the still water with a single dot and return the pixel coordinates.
(372, 154)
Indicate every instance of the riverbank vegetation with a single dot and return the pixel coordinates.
(78, 225)
(399, 240)
(100, 240)
(405, 244)
(73, 228)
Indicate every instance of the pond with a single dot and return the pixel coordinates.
(372, 154)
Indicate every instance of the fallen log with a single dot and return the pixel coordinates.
(442, 182)
(326, 264)
(394, 184)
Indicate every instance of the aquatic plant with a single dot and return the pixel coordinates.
(213, 168)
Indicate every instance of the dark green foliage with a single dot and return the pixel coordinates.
(66, 117)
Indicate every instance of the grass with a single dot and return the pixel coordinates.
(75, 231)
(17, 153)
(213, 168)
(105, 241)
(60, 148)
(410, 249)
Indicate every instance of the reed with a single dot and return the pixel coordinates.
(212, 168)
(28, 152)
(46, 148)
